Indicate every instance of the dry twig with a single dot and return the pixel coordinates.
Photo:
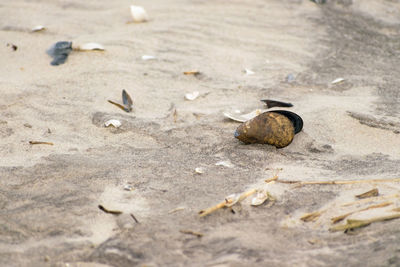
(190, 232)
(342, 217)
(353, 224)
(40, 143)
(226, 203)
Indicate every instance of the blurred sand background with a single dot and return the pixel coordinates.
(49, 194)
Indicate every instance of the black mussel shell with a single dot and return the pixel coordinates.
(59, 52)
(296, 120)
(273, 103)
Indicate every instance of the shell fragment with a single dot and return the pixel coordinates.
(115, 123)
(199, 170)
(38, 28)
(90, 47)
(338, 80)
(192, 96)
(243, 117)
(248, 72)
(225, 163)
(139, 14)
(148, 57)
(260, 198)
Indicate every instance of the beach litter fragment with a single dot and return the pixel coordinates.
(273, 103)
(228, 202)
(139, 14)
(38, 28)
(114, 123)
(126, 100)
(148, 57)
(371, 193)
(338, 80)
(114, 212)
(59, 52)
(238, 117)
(40, 143)
(225, 163)
(190, 232)
(276, 128)
(192, 96)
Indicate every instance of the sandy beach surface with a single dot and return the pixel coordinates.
(49, 194)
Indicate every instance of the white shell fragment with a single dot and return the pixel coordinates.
(338, 80)
(248, 72)
(128, 187)
(90, 46)
(225, 163)
(139, 14)
(38, 28)
(260, 198)
(243, 117)
(199, 170)
(192, 96)
(115, 123)
(147, 57)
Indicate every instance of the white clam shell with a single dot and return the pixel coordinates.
(192, 96)
(338, 80)
(260, 198)
(243, 117)
(115, 123)
(139, 14)
(38, 28)
(91, 46)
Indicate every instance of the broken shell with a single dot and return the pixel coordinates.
(192, 96)
(38, 28)
(260, 198)
(199, 170)
(90, 46)
(338, 80)
(248, 71)
(275, 128)
(139, 14)
(236, 116)
(273, 103)
(225, 163)
(115, 123)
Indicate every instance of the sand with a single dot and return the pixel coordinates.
(50, 193)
